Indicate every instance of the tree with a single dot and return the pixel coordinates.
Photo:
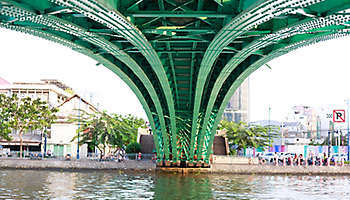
(25, 114)
(5, 128)
(242, 135)
(102, 130)
(133, 147)
(134, 124)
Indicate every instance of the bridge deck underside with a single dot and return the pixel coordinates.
(182, 58)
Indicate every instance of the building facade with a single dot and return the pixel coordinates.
(307, 116)
(59, 140)
(238, 107)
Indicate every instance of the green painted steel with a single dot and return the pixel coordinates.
(182, 58)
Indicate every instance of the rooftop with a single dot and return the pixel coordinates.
(4, 82)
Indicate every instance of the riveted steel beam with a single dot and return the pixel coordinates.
(100, 59)
(246, 21)
(250, 69)
(301, 29)
(181, 57)
(171, 60)
(160, 30)
(96, 10)
(58, 24)
(158, 17)
(179, 14)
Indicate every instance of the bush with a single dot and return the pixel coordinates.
(133, 147)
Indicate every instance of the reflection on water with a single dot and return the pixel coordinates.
(182, 187)
(29, 184)
(21, 184)
(61, 184)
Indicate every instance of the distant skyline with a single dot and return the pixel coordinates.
(315, 76)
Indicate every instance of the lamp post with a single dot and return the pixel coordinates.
(269, 128)
(330, 136)
(329, 141)
(45, 142)
(347, 111)
(78, 156)
(282, 134)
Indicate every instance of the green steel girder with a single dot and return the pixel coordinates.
(300, 31)
(122, 57)
(96, 10)
(171, 61)
(247, 20)
(101, 60)
(179, 14)
(158, 17)
(182, 58)
(252, 68)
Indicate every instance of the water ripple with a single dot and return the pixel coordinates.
(31, 184)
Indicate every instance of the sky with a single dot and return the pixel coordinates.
(25, 58)
(316, 76)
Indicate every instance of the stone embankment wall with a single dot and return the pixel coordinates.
(77, 165)
(217, 159)
(147, 165)
(280, 170)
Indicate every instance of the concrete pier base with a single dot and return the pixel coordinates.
(183, 170)
(261, 170)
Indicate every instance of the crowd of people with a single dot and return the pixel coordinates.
(291, 159)
(119, 155)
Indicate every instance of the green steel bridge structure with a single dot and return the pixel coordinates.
(182, 58)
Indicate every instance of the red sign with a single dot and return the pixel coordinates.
(339, 116)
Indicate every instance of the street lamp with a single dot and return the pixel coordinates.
(45, 142)
(347, 103)
(269, 128)
(78, 156)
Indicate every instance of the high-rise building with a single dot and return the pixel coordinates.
(238, 107)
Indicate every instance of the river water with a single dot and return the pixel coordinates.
(35, 184)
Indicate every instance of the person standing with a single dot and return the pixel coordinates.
(139, 156)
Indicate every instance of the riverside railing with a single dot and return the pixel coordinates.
(88, 156)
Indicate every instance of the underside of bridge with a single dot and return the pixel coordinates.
(182, 58)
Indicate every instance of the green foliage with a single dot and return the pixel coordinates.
(134, 124)
(5, 126)
(69, 91)
(133, 147)
(242, 136)
(23, 115)
(102, 130)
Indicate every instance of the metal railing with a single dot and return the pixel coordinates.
(89, 156)
(36, 155)
(128, 156)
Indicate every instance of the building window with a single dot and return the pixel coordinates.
(228, 116)
(68, 149)
(238, 117)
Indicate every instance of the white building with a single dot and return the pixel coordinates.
(294, 133)
(59, 139)
(238, 107)
(306, 116)
(62, 132)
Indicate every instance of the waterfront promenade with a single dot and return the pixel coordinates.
(149, 166)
